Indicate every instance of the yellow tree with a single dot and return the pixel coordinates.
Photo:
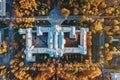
(24, 7)
(89, 44)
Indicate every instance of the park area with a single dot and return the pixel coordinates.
(59, 39)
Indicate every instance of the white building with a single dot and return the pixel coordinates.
(55, 41)
(115, 76)
(2, 7)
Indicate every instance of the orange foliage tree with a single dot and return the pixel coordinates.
(24, 7)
